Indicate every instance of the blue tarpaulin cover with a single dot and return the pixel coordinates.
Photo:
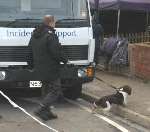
(141, 5)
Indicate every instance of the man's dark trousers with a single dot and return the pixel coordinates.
(54, 92)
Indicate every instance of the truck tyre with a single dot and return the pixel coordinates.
(72, 89)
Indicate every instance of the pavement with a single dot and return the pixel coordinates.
(138, 108)
(73, 116)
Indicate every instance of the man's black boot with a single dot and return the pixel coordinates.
(51, 115)
(41, 113)
(45, 113)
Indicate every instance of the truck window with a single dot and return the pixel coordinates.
(13, 11)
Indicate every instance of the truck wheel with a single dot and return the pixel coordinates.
(73, 90)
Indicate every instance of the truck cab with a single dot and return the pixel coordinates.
(18, 18)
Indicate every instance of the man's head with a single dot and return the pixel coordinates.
(49, 20)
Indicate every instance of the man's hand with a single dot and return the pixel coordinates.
(69, 62)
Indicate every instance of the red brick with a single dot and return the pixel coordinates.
(139, 57)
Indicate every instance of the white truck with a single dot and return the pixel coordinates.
(74, 29)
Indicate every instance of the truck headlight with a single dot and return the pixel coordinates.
(81, 73)
(90, 71)
(2, 75)
(86, 72)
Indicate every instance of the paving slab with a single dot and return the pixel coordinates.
(138, 108)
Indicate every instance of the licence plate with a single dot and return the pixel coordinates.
(35, 84)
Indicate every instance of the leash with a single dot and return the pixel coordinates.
(107, 83)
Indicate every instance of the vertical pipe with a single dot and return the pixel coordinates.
(96, 4)
(147, 20)
(72, 8)
(118, 23)
(97, 10)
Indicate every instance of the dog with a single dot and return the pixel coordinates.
(119, 98)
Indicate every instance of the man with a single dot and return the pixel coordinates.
(98, 32)
(47, 55)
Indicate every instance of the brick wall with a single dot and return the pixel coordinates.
(139, 57)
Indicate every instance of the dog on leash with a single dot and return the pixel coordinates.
(119, 98)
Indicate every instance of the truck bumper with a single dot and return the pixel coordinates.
(22, 78)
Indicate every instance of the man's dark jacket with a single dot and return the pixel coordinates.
(47, 53)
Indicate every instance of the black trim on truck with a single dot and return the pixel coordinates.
(14, 53)
(23, 53)
(76, 52)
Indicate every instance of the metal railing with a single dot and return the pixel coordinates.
(133, 37)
